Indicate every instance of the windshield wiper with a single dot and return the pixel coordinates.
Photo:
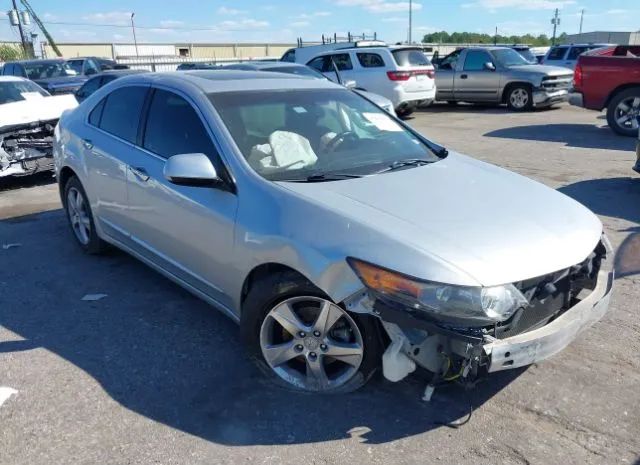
(403, 164)
(331, 177)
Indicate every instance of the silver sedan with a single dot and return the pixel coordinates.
(339, 238)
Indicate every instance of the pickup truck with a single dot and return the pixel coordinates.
(610, 78)
(500, 75)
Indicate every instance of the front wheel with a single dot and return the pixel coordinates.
(80, 217)
(519, 98)
(623, 112)
(303, 340)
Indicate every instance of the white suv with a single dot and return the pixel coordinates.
(402, 74)
(567, 55)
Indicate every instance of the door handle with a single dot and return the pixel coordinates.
(140, 173)
(463, 76)
(87, 144)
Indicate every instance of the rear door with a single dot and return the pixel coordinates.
(186, 230)
(108, 142)
(445, 74)
(414, 61)
(474, 82)
(371, 71)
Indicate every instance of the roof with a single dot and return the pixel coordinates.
(51, 60)
(123, 72)
(268, 64)
(214, 81)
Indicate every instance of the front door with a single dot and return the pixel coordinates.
(474, 81)
(186, 230)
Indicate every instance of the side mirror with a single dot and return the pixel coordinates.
(191, 169)
(350, 84)
(90, 72)
(490, 66)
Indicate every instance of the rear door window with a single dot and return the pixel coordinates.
(342, 61)
(173, 127)
(370, 60)
(557, 53)
(90, 87)
(409, 57)
(121, 113)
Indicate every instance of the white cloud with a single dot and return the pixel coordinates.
(223, 10)
(242, 25)
(315, 14)
(380, 6)
(299, 24)
(519, 4)
(616, 11)
(394, 19)
(110, 17)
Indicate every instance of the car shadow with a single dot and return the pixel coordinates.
(168, 356)
(484, 108)
(572, 135)
(613, 197)
(18, 182)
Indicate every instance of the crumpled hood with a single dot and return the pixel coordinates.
(544, 70)
(35, 109)
(492, 224)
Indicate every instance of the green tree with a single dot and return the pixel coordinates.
(477, 38)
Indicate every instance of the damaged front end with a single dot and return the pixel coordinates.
(457, 346)
(26, 148)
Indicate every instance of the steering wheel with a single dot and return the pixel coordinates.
(338, 140)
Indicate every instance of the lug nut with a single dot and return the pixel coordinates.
(323, 347)
(301, 334)
(316, 333)
(299, 347)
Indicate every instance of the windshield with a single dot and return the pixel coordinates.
(294, 134)
(528, 55)
(508, 57)
(48, 69)
(75, 65)
(15, 91)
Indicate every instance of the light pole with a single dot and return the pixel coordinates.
(133, 28)
(581, 19)
(410, 19)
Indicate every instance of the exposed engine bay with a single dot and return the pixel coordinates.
(26, 148)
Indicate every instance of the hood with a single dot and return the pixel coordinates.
(34, 109)
(64, 81)
(491, 224)
(545, 70)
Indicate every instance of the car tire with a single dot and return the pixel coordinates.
(289, 290)
(80, 217)
(405, 112)
(625, 104)
(520, 98)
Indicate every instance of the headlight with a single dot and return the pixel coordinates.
(471, 304)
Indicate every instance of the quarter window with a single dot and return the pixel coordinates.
(173, 127)
(96, 114)
(121, 113)
(475, 60)
(370, 60)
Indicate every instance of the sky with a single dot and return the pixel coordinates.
(286, 20)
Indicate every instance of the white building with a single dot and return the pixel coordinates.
(604, 37)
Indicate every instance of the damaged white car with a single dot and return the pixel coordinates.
(337, 236)
(28, 117)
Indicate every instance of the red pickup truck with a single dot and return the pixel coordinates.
(610, 78)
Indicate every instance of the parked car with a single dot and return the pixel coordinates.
(610, 78)
(337, 236)
(88, 66)
(104, 78)
(197, 65)
(302, 70)
(567, 55)
(55, 76)
(500, 75)
(28, 116)
(403, 74)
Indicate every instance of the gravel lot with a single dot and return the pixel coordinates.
(149, 374)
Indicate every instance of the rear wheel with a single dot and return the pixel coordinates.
(519, 98)
(303, 340)
(623, 112)
(80, 217)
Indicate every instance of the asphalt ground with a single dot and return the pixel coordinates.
(151, 375)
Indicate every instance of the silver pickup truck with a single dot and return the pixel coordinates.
(500, 75)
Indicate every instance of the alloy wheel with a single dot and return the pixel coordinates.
(311, 343)
(78, 216)
(627, 112)
(519, 98)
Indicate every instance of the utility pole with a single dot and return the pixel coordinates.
(22, 39)
(555, 21)
(581, 19)
(410, 19)
(133, 28)
(495, 37)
